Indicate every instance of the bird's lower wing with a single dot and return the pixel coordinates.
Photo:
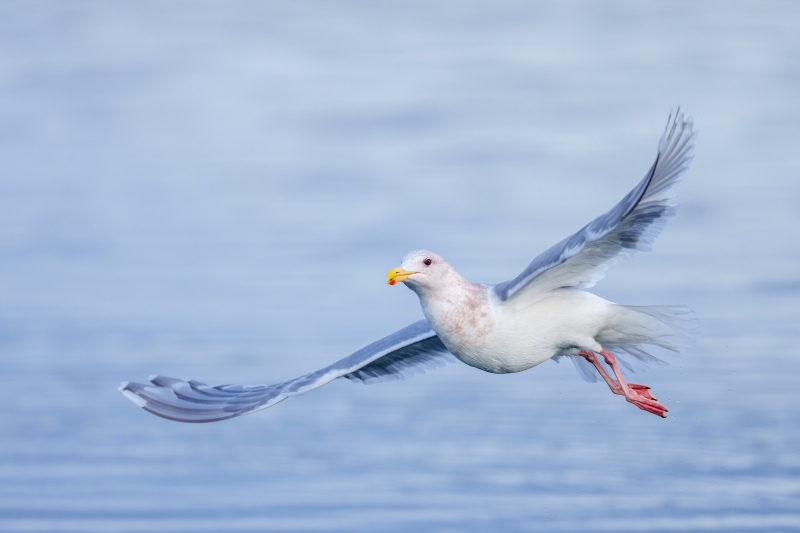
(580, 260)
(407, 351)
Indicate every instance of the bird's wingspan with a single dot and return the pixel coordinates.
(581, 259)
(405, 352)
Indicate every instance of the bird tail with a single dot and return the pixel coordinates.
(641, 336)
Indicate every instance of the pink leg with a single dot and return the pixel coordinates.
(638, 395)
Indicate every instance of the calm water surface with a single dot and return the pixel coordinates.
(216, 192)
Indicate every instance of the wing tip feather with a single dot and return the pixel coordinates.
(132, 396)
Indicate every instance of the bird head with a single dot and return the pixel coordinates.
(420, 270)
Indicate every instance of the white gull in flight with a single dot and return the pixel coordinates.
(508, 327)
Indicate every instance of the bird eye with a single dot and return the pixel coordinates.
(427, 262)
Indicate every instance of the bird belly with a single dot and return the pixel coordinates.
(562, 322)
(509, 349)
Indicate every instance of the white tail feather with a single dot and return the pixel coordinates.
(653, 333)
(644, 336)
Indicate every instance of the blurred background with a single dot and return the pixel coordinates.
(216, 190)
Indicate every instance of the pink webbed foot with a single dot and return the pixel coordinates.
(643, 390)
(643, 399)
(638, 395)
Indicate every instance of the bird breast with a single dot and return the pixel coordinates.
(461, 316)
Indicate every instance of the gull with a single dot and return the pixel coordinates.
(512, 326)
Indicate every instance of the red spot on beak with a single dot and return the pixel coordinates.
(392, 282)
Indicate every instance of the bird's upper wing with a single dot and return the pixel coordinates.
(405, 352)
(581, 259)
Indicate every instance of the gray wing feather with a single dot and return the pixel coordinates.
(430, 353)
(581, 259)
(407, 351)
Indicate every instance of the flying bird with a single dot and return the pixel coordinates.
(542, 314)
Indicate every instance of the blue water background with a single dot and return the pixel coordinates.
(215, 191)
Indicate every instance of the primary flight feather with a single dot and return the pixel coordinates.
(508, 327)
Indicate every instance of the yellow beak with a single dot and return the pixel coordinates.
(397, 274)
